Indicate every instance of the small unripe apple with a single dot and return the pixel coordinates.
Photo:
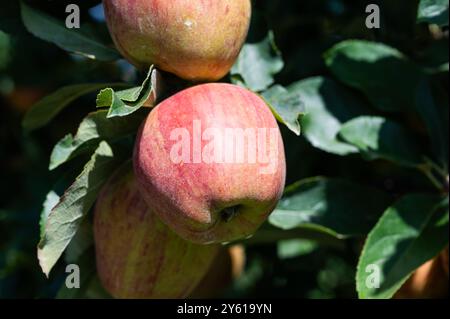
(196, 40)
(137, 255)
(211, 162)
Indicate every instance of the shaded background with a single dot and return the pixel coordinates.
(304, 30)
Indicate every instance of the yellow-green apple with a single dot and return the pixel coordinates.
(195, 39)
(210, 160)
(137, 255)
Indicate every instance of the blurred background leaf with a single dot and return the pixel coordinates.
(5, 49)
(433, 11)
(75, 40)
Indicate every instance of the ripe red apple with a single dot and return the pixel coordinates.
(211, 162)
(137, 255)
(196, 40)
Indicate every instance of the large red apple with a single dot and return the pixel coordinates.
(137, 255)
(210, 160)
(195, 39)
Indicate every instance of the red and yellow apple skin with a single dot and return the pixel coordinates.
(196, 40)
(209, 202)
(137, 255)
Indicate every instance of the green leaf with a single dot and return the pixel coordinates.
(377, 137)
(257, 64)
(94, 128)
(383, 73)
(269, 234)
(78, 41)
(328, 105)
(295, 248)
(411, 232)
(65, 218)
(54, 196)
(126, 102)
(433, 12)
(5, 50)
(433, 108)
(50, 106)
(338, 207)
(80, 243)
(286, 105)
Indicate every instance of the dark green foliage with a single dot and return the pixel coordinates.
(364, 117)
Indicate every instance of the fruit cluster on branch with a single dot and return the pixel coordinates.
(159, 228)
